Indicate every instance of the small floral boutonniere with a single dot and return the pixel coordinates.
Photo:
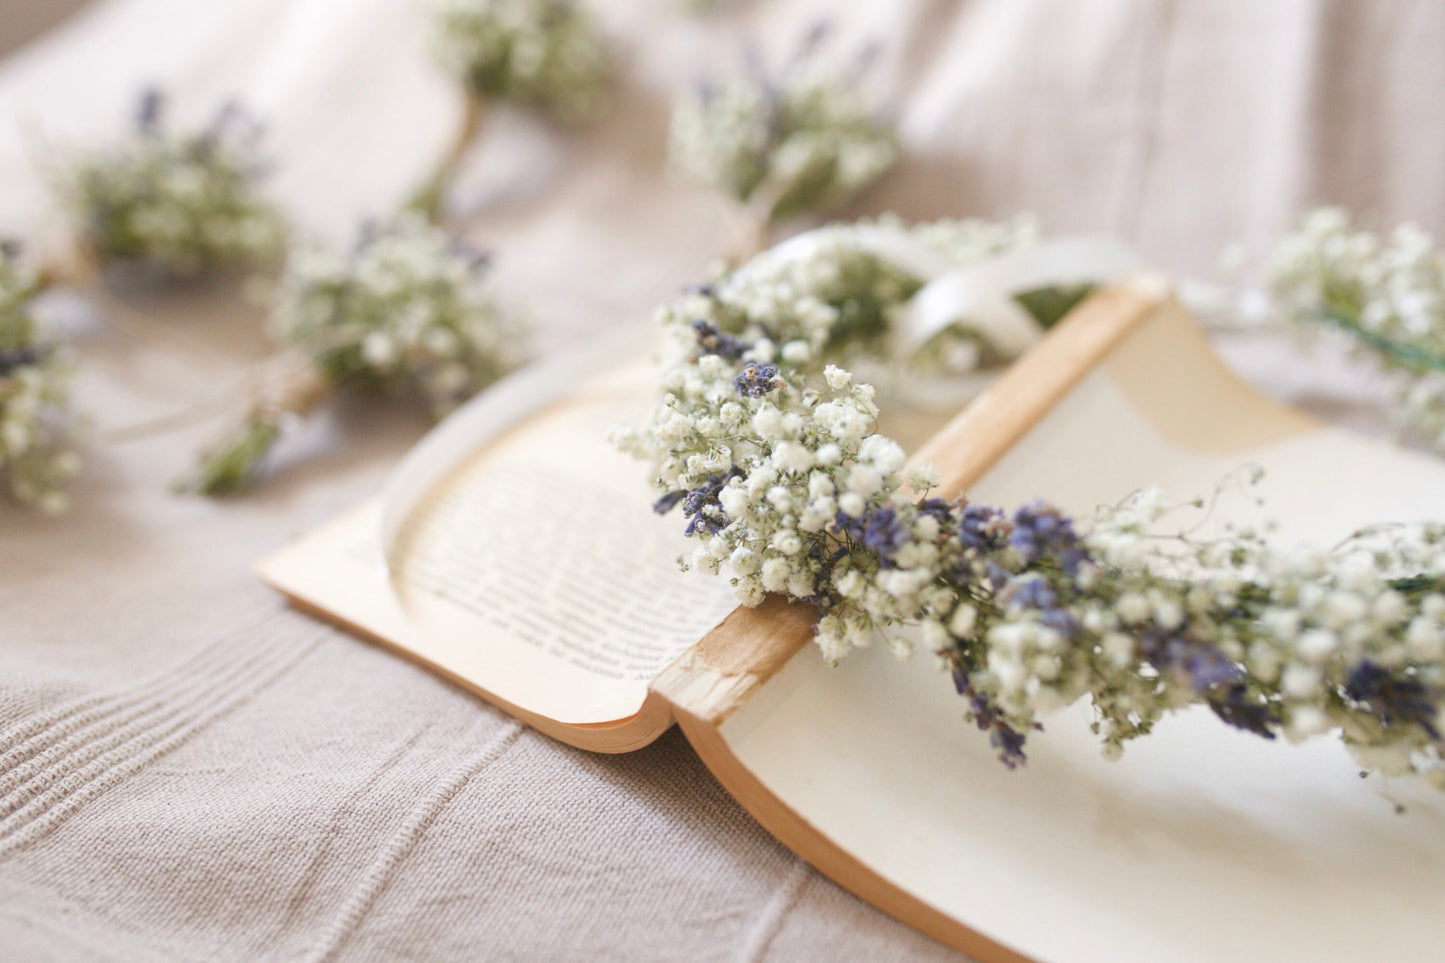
(408, 310)
(547, 55)
(1387, 296)
(183, 204)
(36, 423)
(802, 142)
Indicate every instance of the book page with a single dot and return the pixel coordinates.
(536, 571)
(1203, 843)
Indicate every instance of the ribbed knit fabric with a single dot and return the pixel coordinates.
(190, 770)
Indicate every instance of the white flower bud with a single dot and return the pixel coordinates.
(1008, 672)
(1283, 624)
(1317, 645)
(1168, 614)
(791, 456)
(1305, 721)
(378, 349)
(922, 478)
(865, 480)
(900, 647)
(744, 561)
(1118, 648)
(750, 592)
(850, 584)
(1340, 609)
(882, 453)
(1132, 607)
(1425, 639)
(935, 636)
(775, 573)
(961, 623)
(787, 543)
(797, 352)
(1300, 681)
(768, 423)
(800, 585)
(734, 501)
(780, 498)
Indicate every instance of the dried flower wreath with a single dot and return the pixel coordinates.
(770, 450)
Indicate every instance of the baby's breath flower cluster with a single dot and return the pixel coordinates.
(36, 458)
(409, 307)
(1388, 295)
(801, 143)
(771, 453)
(1275, 643)
(184, 204)
(542, 53)
(409, 310)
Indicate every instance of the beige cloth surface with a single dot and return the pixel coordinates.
(190, 770)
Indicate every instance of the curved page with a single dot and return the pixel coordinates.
(526, 573)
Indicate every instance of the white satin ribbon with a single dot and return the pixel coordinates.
(981, 294)
(890, 244)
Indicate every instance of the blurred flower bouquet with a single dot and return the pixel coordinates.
(36, 458)
(547, 55)
(181, 204)
(780, 147)
(1386, 296)
(409, 310)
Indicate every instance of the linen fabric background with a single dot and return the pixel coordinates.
(191, 770)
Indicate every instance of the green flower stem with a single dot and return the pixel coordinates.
(292, 388)
(233, 464)
(1409, 355)
(760, 217)
(430, 199)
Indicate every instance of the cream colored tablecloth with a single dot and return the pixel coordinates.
(190, 770)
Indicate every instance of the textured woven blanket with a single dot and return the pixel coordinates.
(190, 770)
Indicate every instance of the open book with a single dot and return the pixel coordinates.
(535, 575)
